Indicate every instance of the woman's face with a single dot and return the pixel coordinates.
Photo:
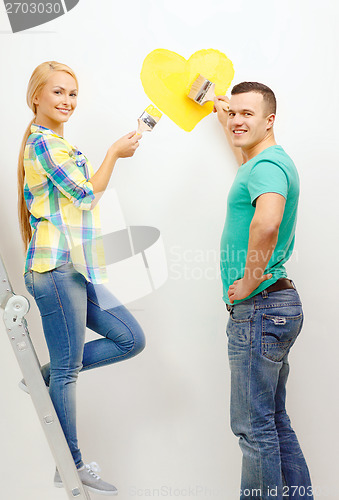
(57, 100)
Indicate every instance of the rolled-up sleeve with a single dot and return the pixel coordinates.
(59, 164)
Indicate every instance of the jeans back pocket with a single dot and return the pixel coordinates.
(279, 334)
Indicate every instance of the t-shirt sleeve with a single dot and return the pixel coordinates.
(55, 159)
(267, 177)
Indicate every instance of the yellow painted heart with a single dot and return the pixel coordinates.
(167, 78)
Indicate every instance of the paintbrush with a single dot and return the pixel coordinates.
(202, 90)
(148, 120)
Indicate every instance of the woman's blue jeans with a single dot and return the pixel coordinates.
(261, 332)
(68, 304)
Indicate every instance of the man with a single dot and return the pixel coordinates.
(265, 310)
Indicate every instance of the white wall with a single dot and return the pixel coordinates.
(162, 419)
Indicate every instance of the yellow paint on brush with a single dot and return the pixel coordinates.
(151, 110)
(167, 78)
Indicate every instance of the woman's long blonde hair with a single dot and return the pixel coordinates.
(36, 83)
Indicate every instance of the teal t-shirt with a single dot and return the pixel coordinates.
(271, 171)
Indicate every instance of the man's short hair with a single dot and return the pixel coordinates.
(260, 88)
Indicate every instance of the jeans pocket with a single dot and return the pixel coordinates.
(279, 334)
(242, 312)
(238, 333)
(28, 277)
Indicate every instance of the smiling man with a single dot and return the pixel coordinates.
(266, 313)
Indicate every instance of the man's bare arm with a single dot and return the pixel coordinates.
(221, 105)
(263, 236)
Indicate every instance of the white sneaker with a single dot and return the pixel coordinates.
(90, 479)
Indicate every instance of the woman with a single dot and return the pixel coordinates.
(65, 267)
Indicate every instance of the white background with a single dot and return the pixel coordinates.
(162, 419)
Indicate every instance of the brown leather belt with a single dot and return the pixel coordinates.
(280, 284)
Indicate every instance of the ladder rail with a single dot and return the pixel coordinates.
(15, 307)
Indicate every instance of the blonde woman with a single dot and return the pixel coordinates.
(65, 267)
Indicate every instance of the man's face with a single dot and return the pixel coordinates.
(248, 121)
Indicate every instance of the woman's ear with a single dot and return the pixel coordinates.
(36, 99)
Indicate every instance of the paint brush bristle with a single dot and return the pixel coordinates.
(154, 112)
(148, 120)
(202, 90)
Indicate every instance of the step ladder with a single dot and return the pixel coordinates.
(15, 307)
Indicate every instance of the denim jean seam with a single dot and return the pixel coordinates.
(69, 356)
(278, 304)
(250, 399)
(32, 274)
(119, 319)
(253, 347)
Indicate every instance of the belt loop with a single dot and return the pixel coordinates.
(264, 294)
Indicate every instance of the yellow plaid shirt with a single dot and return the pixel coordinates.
(59, 195)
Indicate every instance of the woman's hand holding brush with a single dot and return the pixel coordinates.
(126, 145)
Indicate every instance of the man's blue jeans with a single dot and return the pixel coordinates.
(68, 303)
(261, 331)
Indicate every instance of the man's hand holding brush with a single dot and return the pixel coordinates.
(221, 107)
